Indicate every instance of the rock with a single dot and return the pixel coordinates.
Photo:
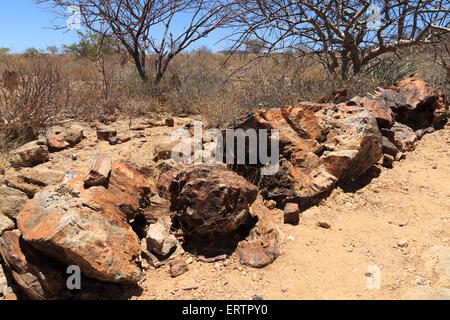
(141, 161)
(177, 268)
(427, 293)
(170, 122)
(11, 200)
(387, 161)
(411, 101)
(105, 133)
(324, 224)
(263, 245)
(99, 171)
(437, 265)
(159, 238)
(39, 277)
(320, 144)
(379, 107)
(29, 155)
(123, 139)
(270, 204)
(5, 287)
(403, 243)
(113, 141)
(32, 180)
(402, 136)
(211, 199)
(5, 223)
(138, 127)
(163, 151)
(56, 144)
(291, 213)
(89, 227)
(388, 147)
(257, 297)
(73, 135)
(221, 257)
(399, 156)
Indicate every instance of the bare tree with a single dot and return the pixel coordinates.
(146, 26)
(344, 34)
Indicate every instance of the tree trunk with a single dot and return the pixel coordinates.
(139, 61)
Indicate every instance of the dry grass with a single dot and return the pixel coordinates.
(54, 88)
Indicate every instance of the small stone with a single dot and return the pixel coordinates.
(257, 297)
(105, 133)
(270, 204)
(324, 224)
(403, 243)
(387, 161)
(170, 122)
(189, 260)
(56, 144)
(5, 223)
(113, 141)
(123, 139)
(177, 268)
(291, 213)
(138, 128)
(159, 238)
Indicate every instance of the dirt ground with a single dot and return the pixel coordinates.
(388, 219)
(408, 204)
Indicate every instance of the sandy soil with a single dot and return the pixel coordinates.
(407, 205)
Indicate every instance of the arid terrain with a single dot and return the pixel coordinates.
(410, 202)
(389, 217)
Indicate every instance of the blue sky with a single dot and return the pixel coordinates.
(24, 24)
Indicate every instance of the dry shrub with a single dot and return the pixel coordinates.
(38, 97)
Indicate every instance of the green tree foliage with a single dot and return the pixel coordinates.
(91, 45)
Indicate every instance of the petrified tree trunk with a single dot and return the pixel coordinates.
(99, 171)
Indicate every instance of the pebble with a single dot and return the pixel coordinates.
(403, 243)
(324, 225)
(257, 297)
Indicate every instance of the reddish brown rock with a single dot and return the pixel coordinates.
(105, 133)
(379, 107)
(320, 144)
(38, 276)
(291, 213)
(402, 136)
(211, 199)
(263, 244)
(177, 268)
(99, 170)
(170, 122)
(89, 227)
(411, 101)
(56, 144)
